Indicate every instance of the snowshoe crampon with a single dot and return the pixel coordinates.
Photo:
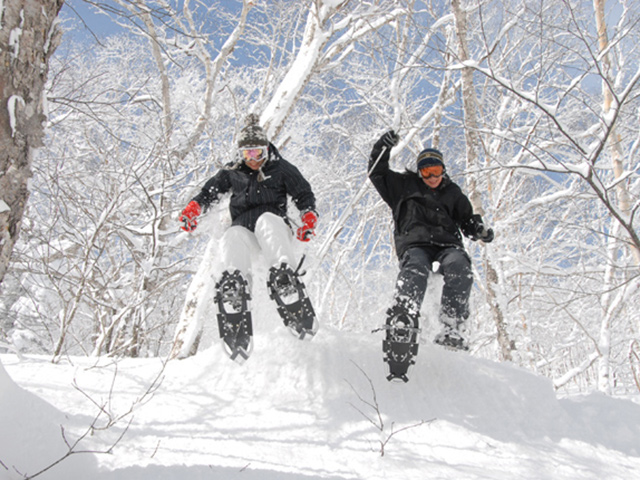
(401, 343)
(234, 317)
(293, 304)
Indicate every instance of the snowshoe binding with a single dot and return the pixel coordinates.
(401, 343)
(293, 304)
(234, 317)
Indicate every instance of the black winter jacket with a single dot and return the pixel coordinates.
(423, 216)
(250, 197)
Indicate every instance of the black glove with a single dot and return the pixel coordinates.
(485, 234)
(475, 229)
(389, 140)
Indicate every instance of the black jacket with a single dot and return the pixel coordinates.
(423, 216)
(251, 197)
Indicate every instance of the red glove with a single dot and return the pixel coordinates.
(189, 216)
(309, 221)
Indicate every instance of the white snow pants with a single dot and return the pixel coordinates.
(272, 237)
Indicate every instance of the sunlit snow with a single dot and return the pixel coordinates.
(308, 410)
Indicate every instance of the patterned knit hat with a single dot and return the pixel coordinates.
(252, 135)
(429, 157)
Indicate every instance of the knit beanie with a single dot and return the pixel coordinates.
(252, 135)
(429, 157)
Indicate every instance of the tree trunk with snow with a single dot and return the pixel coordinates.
(623, 199)
(472, 142)
(199, 295)
(28, 38)
(615, 142)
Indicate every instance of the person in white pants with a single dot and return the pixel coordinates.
(272, 237)
(260, 182)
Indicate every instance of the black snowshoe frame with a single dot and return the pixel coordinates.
(234, 316)
(292, 302)
(401, 343)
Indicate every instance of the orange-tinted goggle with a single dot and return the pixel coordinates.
(432, 171)
(256, 154)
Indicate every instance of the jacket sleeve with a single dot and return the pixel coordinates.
(380, 174)
(218, 184)
(470, 223)
(298, 187)
(463, 212)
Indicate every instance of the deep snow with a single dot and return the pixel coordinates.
(305, 410)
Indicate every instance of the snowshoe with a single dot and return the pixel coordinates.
(401, 343)
(234, 317)
(293, 304)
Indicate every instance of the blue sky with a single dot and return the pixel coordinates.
(87, 21)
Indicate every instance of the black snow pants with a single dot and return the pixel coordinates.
(455, 266)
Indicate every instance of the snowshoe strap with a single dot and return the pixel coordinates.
(393, 327)
(297, 272)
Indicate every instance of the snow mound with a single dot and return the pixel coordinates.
(33, 436)
(323, 409)
(338, 374)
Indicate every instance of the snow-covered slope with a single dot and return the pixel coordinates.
(324, 410)
(31, 437)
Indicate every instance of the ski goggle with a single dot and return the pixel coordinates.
(432, 171)
(256, 154)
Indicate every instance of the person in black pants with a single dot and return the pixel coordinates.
(430, 214)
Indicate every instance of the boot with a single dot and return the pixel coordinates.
(452, 335)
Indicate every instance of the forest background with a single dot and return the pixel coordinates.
(534, 104)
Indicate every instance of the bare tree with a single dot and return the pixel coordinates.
(561, 134)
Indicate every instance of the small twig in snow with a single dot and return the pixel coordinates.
(376, 407)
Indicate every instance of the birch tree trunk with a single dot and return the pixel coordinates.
(472, 142)
(624, 204)
(615, 142)
(28, 38)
